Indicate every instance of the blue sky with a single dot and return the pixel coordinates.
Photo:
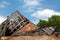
(31, 9)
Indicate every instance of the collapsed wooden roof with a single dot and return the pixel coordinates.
(16, 24)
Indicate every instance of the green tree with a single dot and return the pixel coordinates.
(55, 21)
(42, 23)
(52, 21)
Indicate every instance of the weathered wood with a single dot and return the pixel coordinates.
(14, 22)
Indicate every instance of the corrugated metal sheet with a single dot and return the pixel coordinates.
(49, 30)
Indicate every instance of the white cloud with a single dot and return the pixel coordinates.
(35, 22)
(30, 9)
(31, 5)
(31, 2)
(45, 14)
(2, 19)
(4, 4)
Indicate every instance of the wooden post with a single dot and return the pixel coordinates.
(0, 38)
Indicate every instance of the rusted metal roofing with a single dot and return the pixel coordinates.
(16, 22)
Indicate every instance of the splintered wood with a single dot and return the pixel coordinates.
(43, 37)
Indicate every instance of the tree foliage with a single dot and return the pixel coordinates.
(42, 23)
(52, 21)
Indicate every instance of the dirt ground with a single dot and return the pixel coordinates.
(43, 37)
